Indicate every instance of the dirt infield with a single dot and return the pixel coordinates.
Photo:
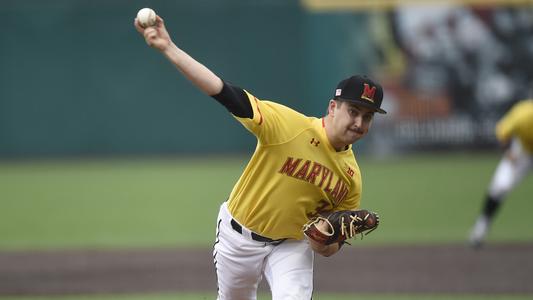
(406, 269)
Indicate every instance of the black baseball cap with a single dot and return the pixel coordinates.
(361, 90)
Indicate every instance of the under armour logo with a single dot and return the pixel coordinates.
(315, 142)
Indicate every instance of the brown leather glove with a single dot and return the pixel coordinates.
(343, 225)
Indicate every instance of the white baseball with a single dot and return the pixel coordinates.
(146, 17)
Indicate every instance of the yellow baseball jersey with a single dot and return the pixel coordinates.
(293, 175)
(518, 122)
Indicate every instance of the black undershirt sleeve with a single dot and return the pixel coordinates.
(235, 100)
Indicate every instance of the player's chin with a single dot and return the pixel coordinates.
(350, 140)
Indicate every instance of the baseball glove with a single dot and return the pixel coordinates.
(343, 225)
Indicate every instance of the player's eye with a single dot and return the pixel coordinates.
(368, 117)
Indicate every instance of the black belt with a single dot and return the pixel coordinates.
(256, 237)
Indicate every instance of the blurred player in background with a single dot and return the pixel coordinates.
(515, 133)
(302, 167)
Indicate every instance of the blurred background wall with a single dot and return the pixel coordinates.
(77, 79)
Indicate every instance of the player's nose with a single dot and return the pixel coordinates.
(357, 121)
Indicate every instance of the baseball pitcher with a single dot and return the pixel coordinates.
(301, 190)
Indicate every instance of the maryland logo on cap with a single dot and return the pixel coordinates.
(368, 92)
(362, 91)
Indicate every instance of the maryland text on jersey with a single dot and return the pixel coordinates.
(316, 174)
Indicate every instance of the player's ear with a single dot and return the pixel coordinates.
(331, 107)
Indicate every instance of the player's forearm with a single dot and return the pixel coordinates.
(324, 250)
(194, 71)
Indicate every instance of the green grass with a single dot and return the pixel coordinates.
(209, 296)
(435, 198)
(112, 203)
(174, 202)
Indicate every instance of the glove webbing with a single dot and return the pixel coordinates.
(354, 228)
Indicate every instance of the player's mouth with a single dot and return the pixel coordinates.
(357, 131)
(354, 134)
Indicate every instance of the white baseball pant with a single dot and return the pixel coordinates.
(241, 262)
(512, 168)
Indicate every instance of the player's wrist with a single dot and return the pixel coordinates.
(168, 48)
